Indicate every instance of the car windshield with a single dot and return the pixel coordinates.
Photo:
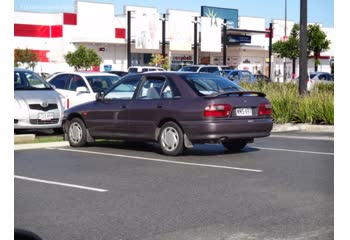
(189, 69)
(207, 84)
(29, 81)
(99, 83)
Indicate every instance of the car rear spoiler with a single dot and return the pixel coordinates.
(240, 93)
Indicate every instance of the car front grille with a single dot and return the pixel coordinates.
(45, 109)
(38, 121)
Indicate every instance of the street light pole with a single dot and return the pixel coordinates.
(303, 76)
(284, 39)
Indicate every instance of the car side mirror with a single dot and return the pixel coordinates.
(82, 90)
(99, 96)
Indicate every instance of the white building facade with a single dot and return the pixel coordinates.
(95, 25)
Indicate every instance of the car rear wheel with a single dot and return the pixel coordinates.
(171, 139)
(234, 145)
(77, 133)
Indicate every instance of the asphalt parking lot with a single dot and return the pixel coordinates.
(280, 187)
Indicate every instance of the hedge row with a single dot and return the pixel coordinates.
(288, 107)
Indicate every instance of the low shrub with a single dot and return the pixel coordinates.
(288, 106)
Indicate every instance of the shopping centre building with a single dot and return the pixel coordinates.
(97, 26)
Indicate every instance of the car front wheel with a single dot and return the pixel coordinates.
(234, 145)
(171, 139)
(77, 133)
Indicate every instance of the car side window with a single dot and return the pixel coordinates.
(203, 69)
(212, 69)
(123, 90)
(152, 88)
(59, 81)
(75, 82)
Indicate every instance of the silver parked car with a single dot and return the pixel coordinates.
(317, 78)
(37, 105)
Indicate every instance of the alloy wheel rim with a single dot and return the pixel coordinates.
(170, 139)
(75, 132)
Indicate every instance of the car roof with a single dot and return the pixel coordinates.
(22, 70)
(88, 73)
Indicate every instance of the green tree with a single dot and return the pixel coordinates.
(289, 48)
(83, 58)
(317, 42)
(25, 56)
(159, 61)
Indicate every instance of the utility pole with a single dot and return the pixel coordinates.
(163, 35)
(284, 39)
(128, 46)
(270, 50)
(224, 42)
(303, 61)
(195, 44)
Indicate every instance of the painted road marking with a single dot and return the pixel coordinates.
(159, 160)
(292, 150)
(61, 184)
(322, 138)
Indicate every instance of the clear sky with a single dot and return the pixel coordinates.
(319, 11)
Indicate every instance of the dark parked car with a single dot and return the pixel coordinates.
(172, 108)
(262, 78)
(240, 75)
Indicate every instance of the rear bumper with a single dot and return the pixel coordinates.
(199, 131)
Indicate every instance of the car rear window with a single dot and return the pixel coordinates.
(207, 84)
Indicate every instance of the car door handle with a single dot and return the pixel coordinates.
(123, 107)
(159, 106)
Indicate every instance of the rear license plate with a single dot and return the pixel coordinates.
(45, 116)
(244, 112)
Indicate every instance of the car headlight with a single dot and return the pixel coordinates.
(63, 101)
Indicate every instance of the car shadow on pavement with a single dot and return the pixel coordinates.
(197, 150)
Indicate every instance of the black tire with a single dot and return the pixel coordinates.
(76, 132)
(171, 139)
(234, 145)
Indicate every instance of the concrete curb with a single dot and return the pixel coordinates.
(40, 145)
(302, 127)
(24, 138)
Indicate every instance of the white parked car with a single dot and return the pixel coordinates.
(317, 78)
(37, 105)
(216, 69)
(81, 87)
(139, 69)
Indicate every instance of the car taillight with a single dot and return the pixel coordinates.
(67, 102)
(217, 110)
(265, 109)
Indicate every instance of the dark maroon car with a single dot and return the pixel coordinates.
(175, 109)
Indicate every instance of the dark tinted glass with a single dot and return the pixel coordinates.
(207, 84)
(101, 83)
(189, 69)
(59, 81)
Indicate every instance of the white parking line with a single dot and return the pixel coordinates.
(291, 150)
(321, 138)
(61, 184)
(159, 160)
